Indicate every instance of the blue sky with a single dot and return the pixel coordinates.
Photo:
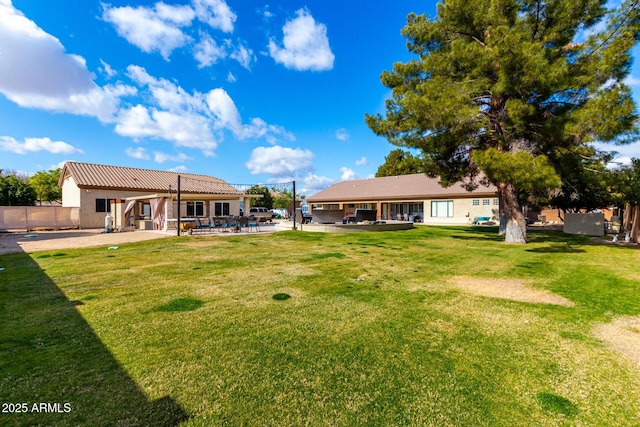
(248, 91)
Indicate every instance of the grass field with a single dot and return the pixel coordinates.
(431, 326)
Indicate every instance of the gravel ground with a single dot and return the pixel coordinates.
(52, 240)
(69, 239)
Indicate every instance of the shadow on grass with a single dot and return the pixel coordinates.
(557, 249)
(49, 354)
(477, 233)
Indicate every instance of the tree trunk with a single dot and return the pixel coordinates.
(502, 229)
(516, 226)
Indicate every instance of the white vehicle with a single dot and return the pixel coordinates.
(263, 213)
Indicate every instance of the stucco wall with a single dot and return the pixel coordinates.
(89, 218)
(463, 211)
(70, 194)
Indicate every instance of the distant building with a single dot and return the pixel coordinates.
(415, 197)
(98, 189)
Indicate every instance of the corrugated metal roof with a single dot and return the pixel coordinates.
(134, 179)
(394, 187)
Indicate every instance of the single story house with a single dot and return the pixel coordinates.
(144, 198)
(414, 197)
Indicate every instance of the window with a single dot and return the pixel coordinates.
(496, 202)
(195, 208)
(103, 205)
(415, 208)
(221, 209)
(442, 209)
(476, 202)
(485, 202)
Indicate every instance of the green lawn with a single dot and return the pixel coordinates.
(295, 328)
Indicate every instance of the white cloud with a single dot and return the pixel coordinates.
(60, 165)
(625, 153)
(216, 13)
(225, 111)
(207, 52)
(163, 28)
(362, 162)
(167, 94)
(107, 70)
(243, 55)
(258, 128)
(228, 117)
(347, 174)
(160, 157)
(156, 29)
(265, 13)
(184, 129)
(230, 77)
(279, 161)
(36, 72)
(632, 81)
(312, 183)
(180, 168)
(189, 120)
(342, 134)
(137, 153)
(306, 46)
(32, 145)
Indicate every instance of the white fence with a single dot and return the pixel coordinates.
(32, 217)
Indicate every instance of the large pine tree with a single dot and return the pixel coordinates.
(507, 88)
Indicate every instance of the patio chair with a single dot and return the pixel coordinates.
(243, 222)
(229, 224)
(215, 224)
(202, 224)
(253, 222)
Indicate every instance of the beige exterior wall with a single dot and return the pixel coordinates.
(464, 211)
(89, 218)
(70, 193)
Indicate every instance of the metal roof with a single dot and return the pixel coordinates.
(415, 186)
(88, 175)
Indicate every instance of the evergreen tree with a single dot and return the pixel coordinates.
(399, 162)
(585, 182)
(626, 184)
(510, 87)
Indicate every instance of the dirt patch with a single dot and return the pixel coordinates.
(54, 240)
(623, 335)
(508, 289)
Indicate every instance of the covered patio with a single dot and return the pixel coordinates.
(160, 211)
